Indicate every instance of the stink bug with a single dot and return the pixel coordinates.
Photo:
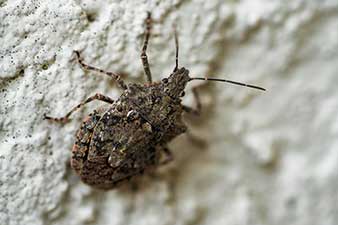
(128, 136)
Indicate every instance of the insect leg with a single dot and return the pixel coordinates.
(168, 155)
(114, 76)
(144, 57)
(65, 119)
(197, 110)
(195, 140)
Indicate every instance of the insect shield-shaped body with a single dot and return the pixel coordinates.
(122, 141)
(128, 136)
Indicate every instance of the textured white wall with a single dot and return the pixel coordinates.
(271, 158)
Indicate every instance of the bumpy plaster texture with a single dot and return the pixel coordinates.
(269, 158)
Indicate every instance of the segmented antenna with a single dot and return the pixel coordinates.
(176, 46)
(228, 81)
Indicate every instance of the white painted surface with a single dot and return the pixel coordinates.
(271, 158)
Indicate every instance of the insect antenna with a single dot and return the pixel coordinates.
(228, 81)
(176, 47)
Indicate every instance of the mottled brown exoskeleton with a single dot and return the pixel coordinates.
(123, 139)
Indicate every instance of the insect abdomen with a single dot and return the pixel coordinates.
(83, 138)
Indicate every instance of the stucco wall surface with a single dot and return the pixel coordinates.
(269, 158)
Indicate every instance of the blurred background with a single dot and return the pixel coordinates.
(257, 158)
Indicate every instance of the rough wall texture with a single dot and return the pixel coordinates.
(270, 158)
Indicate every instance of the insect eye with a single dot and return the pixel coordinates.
(165, 80)
(182, 94)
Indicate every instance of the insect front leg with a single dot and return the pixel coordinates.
(197, 110)
(196, 140)
(114, 76)
(168, 155)
(65, 119)
(144, 57)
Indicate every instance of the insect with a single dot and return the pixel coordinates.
(130, 135)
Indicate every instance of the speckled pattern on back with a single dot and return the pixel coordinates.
(117, 143)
